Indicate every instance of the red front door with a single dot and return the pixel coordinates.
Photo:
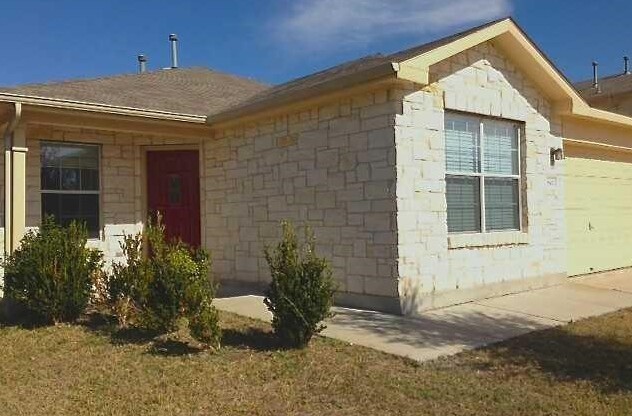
(173, 187)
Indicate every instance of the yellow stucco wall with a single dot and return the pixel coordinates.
(598, 209)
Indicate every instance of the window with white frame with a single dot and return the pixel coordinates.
(482, 174)
(70, 184)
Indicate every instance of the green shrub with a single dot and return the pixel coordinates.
(204, 324)
(122, 286)
(52, 272)
(301, 293)
(162, 283)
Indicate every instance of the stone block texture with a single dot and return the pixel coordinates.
(435, 268)
(331, 166)
(122, 175)
(367, 173)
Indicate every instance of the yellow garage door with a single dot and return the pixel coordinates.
(598, 209)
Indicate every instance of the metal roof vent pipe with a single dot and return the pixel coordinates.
(626, 65)
(173, 38)
(142, 64)
(595, 85)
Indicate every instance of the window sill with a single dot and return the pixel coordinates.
(495, 239)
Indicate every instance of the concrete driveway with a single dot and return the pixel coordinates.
(457, 328)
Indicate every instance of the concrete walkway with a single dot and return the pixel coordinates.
(457, 328)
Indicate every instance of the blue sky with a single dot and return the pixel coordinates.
(277, 40)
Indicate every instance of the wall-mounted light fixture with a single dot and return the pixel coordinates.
(557, 153)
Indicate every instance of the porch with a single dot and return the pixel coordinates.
(94, 168)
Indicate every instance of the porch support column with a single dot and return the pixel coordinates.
(14, 180)
(7, 192)
(18, 187)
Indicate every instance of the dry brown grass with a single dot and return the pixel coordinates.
(584, 368)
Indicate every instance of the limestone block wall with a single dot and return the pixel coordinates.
(122, 179)
(331, 166)
(437, 268)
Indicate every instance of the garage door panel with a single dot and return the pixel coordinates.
(599, 214)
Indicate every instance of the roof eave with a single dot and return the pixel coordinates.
(587, 112)
(99, 108)
(385, 70)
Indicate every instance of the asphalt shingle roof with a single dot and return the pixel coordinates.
(195, 91)
(615, 84)
(200, 91)
(351, 68)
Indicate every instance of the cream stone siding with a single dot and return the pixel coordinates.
(437, 268)
(122, 176)
(367, 173)
(332, 166)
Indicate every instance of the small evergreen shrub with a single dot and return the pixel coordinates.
(52, 272)
(301, 292)
(204, 324)
(163, 283)
(123, 285)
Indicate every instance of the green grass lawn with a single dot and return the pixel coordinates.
(584, 368)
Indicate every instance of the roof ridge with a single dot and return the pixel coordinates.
(193, 90)
(127, 75)
(97, 78)
(325, 70)
(393, 54)
(447, 38)
(365, 63)
(606, 78)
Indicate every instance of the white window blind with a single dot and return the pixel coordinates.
(482, 174)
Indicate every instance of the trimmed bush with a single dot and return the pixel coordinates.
(122, 285)
(204, 324)
(163, 283)
(52, 272)
(300, 295)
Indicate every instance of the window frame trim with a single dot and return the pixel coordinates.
(482, 175)
(98, 192)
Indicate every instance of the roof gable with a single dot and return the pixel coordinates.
(199, 94)
(414, 65)
(514, 43)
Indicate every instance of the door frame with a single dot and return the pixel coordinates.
(143, 181)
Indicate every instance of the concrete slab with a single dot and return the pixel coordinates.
(564, 303)
(438, 333)
(250, 306)
(456, 328)
(619, 280)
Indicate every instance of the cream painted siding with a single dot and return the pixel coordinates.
(598, 210)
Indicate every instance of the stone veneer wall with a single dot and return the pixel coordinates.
(122, 176)
(367, 173)
(438, 269)
(331, 166)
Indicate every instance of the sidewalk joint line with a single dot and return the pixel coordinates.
(522, 313)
